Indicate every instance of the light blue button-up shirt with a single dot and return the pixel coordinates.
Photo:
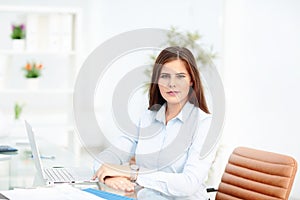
(168, 153)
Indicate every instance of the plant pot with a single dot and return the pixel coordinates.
(18, 44)
(32, 83)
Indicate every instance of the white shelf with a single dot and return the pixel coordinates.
(46, 126)
(52, 38)
(38, 91)
(48, 53)
(38, 9)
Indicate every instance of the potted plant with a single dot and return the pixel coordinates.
(18, 110)
(33, 70)
(18, 36)
(32, 73)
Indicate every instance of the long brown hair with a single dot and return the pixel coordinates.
(196, 94)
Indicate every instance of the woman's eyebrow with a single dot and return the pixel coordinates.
(180, 73)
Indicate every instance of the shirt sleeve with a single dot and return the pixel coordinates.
(118, 153)
(193, 175)
(122, 150)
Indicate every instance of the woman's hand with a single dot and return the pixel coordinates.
(110, 170)
(120, 183)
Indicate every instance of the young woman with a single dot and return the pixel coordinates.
(170, 135)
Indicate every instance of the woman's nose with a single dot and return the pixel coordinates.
(172, 83)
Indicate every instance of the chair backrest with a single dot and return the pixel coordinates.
(253, 174)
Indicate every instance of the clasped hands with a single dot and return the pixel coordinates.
(115, 176)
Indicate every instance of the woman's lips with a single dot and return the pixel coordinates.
(172, 93)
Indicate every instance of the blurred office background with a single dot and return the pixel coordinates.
(258, 47)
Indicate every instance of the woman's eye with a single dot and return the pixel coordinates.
(164, 76)
(180, 76)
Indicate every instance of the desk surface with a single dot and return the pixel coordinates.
(19, 171)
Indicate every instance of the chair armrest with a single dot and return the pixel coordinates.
(211, 190)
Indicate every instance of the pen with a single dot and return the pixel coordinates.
(45, 157)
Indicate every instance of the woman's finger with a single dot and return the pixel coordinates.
(120, 183)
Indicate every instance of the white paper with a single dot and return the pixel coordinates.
(57, 192)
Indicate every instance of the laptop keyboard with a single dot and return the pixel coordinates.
(59, 175)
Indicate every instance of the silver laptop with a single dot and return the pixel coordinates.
(55, 175)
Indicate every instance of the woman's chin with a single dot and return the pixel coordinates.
(175, 101)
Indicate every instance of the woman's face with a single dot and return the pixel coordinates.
(174, 82)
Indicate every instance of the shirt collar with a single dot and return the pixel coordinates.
(182, 115)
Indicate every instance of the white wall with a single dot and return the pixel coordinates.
(262, 75)
(110, 18)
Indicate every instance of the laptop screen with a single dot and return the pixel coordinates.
(35, 151)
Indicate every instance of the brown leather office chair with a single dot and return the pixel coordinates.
(253, 174)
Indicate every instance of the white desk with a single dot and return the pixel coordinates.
(18, 170)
